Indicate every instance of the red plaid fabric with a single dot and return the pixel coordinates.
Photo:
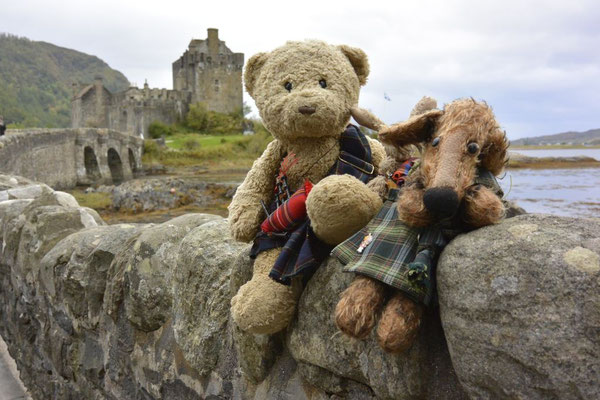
(291, 213)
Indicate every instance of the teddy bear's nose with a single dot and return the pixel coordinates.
(306, 110)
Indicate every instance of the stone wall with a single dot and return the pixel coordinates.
(142, 312)
(58, 158)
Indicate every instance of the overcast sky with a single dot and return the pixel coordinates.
(537, 63)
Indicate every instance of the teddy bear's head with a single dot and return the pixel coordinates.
(306, 89)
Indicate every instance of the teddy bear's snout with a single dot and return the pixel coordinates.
(441, 201)
(306, 110)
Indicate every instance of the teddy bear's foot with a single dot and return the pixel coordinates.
(356, 312)
(261, 305)
(399, 324)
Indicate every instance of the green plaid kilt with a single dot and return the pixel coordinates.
(393, 247)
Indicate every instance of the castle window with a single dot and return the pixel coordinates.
(216, 86)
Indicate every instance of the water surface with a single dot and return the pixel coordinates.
(566, 192)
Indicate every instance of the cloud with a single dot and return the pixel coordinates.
(536, 62)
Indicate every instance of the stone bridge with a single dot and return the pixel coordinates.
(64, 158)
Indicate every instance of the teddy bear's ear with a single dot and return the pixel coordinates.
(253, 67)
(417, 129)
(359, 62)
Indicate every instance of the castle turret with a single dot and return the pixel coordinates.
(213, 41)
(212, 73)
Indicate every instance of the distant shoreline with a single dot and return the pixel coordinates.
(517, 160)
(553, 147)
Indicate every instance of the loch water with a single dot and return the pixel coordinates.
(567, 192)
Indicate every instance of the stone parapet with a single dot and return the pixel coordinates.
(142, 312)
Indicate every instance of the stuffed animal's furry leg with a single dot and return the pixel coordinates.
(399, 324)
(261, 305)
(359, 305)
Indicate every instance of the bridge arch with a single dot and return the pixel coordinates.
(133, 163)
(90, 161)
(115, 165)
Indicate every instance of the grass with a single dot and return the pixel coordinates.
(178, 142)
(95, 200)
(212, 151)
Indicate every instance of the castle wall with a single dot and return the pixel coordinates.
(208, 72)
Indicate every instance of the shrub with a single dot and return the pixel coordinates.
(157, 129)
(191, 144)
(200, 119)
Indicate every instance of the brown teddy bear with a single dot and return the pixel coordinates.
(304, 92)
(452, 190)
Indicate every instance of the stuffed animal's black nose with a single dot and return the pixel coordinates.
(441, 201)
(306, 110)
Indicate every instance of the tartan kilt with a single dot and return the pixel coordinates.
(393, 247)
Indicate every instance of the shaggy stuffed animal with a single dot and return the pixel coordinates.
(452, 190)
(307, 191)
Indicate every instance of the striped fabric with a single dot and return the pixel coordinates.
(290, 214)
(394, 246)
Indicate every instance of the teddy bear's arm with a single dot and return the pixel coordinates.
(245, 210)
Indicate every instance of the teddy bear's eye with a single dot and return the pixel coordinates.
(288, 86)
(435, 141)
(323, 83)
(472, 147)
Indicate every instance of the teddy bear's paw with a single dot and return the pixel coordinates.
(482, 207)
(339, 206)
(263, 306)
(356, 312)
(399, 324)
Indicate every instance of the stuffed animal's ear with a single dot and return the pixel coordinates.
(359, 62)
(417, 129)
(494, 152)
(366, 118)
(253, 67)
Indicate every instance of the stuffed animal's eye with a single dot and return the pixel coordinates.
(473, 148)
(323, 83)
(435, 141)
(288, 86)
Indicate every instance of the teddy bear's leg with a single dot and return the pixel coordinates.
(338, 206)
(399, 324)
(482, 207)
(359, 305)
(262, 305)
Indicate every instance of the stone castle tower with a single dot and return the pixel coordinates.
(212, 73)
(207, 72)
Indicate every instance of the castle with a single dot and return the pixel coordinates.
(208, 72)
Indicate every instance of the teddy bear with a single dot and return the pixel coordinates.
(452, 189)
(307, 192)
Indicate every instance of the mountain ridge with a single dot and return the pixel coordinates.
(591, 137)
(36, 79)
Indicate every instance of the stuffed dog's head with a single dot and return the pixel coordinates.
(462, 137)
(306, 89)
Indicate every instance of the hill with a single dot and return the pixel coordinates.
(36, 81)
(588, 137)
